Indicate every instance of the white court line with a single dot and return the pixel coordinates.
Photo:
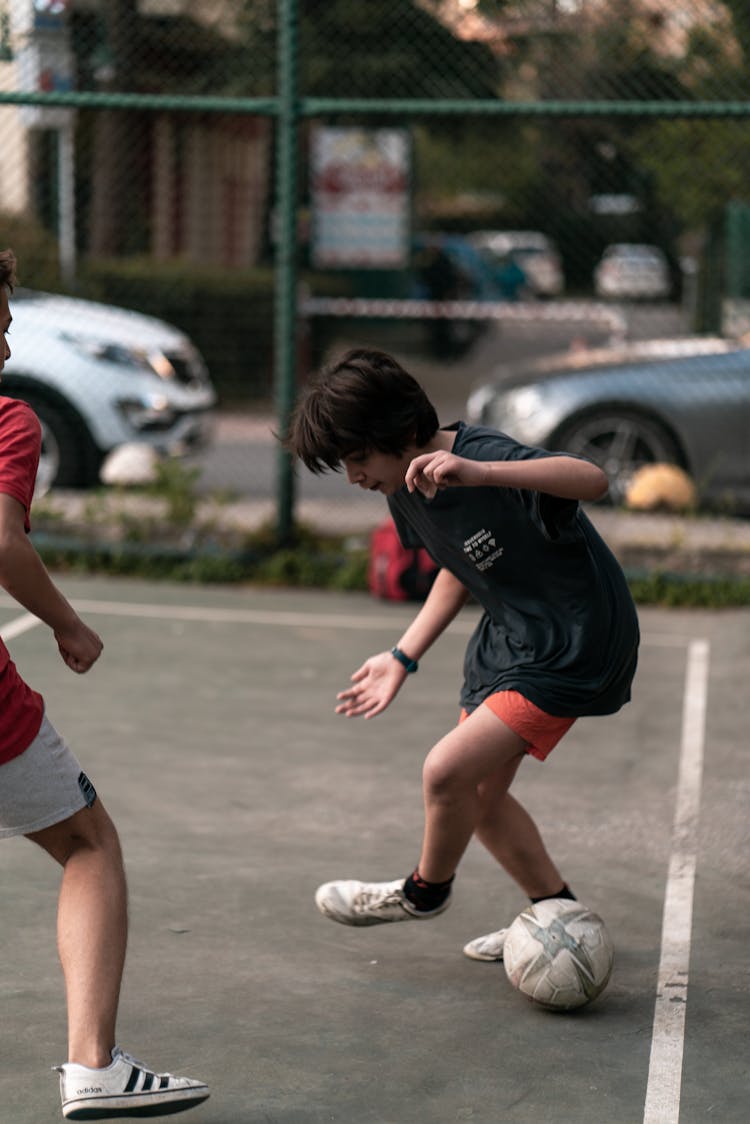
(18, 626)
(241, 616)
(292, 619)
(232, 616)
(668, 1035)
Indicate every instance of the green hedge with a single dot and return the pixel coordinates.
(35, 248)
(229, 314)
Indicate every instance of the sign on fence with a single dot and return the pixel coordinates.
(360, 198)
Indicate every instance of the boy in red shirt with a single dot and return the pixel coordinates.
(46, 796)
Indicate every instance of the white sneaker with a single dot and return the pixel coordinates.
(489, 947)
(126, 1087)
(370, 903)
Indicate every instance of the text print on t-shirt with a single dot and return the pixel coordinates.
(482, 549)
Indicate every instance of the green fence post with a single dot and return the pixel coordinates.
(285, 314)
(737, 246)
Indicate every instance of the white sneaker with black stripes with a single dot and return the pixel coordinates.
(126, 1087)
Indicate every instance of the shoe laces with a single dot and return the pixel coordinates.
(380, 899)
(118, 1053)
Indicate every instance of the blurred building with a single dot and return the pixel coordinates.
(185, 184)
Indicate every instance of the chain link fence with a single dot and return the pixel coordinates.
(475, 186)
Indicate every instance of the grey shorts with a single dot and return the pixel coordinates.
(42, 786)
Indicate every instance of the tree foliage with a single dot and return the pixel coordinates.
(378, 49)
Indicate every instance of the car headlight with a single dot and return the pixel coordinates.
(155, 362)
(152, 412)
(521, 404)
(505, 409)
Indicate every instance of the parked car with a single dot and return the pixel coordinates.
(100, 377)
(684, 402)
(534, 252)
(465, 273)
(630, 270)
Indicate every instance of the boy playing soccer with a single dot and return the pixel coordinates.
(45, 795)
(558, 638)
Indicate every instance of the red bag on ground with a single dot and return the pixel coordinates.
(398, 573)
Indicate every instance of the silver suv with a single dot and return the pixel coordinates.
(99, 377)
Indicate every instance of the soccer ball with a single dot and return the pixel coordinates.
(559, 954)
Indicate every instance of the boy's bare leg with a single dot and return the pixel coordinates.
(479, 748)
(466, 780)
(510, 835)
(91, 928)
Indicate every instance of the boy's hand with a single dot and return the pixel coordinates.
(429, 472)
(80, 647)
(376, 683)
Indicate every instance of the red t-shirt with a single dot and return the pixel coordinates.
(21, 709)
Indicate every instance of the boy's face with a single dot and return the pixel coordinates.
(377, 472)
(5, 319)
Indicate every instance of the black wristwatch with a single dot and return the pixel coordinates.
(410, 665)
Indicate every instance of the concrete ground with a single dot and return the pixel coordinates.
(208, 728)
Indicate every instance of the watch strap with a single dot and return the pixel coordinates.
(410, 665)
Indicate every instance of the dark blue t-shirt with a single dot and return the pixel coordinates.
(559, 623)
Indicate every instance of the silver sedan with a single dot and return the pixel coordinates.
(684, 402)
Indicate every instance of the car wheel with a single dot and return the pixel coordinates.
(619, 442)
(65, 460)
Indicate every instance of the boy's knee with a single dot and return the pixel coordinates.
(91, 829)
(440, 777)
(97, 829)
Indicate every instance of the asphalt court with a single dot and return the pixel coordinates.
(208, 728)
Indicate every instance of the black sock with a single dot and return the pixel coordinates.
(566, 892)
(426, 895)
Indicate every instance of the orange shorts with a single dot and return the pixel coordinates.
(540, 731)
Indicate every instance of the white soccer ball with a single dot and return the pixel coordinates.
(559, 954)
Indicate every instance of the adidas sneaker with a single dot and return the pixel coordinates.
(126, 1087)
